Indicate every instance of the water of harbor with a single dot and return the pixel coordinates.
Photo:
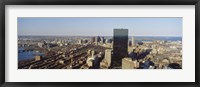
(27, 54)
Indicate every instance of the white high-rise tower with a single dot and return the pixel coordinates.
(133, 41)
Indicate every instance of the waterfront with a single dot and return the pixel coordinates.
(27, 54)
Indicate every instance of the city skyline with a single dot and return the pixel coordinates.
(99, 52)
(99, 26)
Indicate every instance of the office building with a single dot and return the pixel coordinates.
(108, 56)
(133, 41)
(120, 47)
(97, 40)
(37, 58)
(80, 41)
(128, 63)
(93, 39)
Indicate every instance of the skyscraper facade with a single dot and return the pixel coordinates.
(120, 46)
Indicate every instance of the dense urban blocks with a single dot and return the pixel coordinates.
(99, 52)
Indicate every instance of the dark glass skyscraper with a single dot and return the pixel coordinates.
(120, 46)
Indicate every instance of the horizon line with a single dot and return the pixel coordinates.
(102, 35)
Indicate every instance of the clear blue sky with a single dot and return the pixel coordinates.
(99, 26)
